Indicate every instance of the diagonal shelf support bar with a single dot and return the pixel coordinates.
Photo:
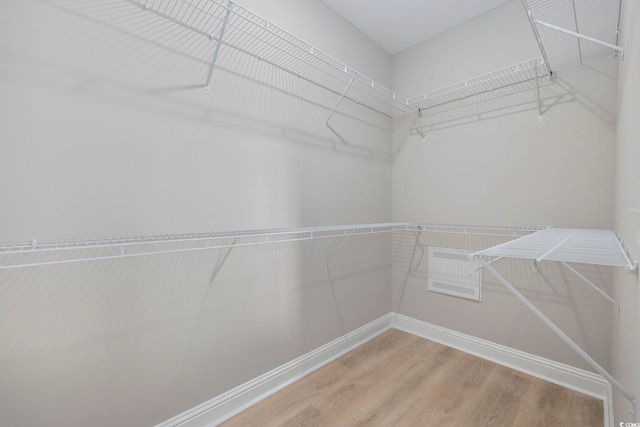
(543, 51)
(326, 123)
(540, 315)
(581, 36)
(588, 282)
(218, 44)
(538, 92)
(331, 282)
(417, 124)
(556, 246)
(220, 263)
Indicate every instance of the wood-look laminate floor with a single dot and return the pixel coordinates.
(398, 379)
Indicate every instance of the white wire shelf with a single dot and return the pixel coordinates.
(474, 230)
(231, 25)
(585, 246)
(579, 43)
(35, 253)
(575, 31)
(509, 76)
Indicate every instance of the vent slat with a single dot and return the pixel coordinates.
(448, 273)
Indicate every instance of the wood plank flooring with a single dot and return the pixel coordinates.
(398, 379)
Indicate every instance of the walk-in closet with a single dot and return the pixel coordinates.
(319, 212)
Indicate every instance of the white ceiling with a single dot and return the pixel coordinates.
(398, 24)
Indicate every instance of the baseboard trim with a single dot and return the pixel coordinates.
(228, 404)
(567, 376)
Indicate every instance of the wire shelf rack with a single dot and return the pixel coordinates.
(575, 31)
(231, 25)
(585, 246)
(509, 76)
(35, 253)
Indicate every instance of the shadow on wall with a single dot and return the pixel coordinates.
(129, 58)
(135, 341)
(579, 310)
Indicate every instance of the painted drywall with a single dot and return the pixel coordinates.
(488, 160)
(106, 131)
(626, 341)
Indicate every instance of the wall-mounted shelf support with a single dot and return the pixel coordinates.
(218, 44)
(331, 282)
(586, 246)
(417, 125)
(588, 282)
(220, 262)
(418, 235)
(628, 395)
(538, 93)
(615, 48)
(326, 123)
(416, 232)
(543, 51)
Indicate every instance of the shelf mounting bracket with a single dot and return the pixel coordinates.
(619, 50)
(417, 124)
(326, 123)
(538, 92)
(207, 87)
(417, 234)
(331, 282)
(588, 282)
(627, 394)
(220, 263)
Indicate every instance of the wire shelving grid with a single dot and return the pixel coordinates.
(512, 75)
(37, 253)
(231, 25)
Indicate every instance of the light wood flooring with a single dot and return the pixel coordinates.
(398, 379)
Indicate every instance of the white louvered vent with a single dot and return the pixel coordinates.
(449, 273)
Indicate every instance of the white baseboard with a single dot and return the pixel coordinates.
(228, 404)
(555, 372)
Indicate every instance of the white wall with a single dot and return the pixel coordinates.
(488, 160)
(106, 131)
(626, 330)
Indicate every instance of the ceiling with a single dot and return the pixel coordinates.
(398, 24)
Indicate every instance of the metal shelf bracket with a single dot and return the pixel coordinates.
(207, 84)
(627, 394)
(588, 282)
(326, 123)
(619, 50)
(220, 262)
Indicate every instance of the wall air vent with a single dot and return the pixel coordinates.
(449, 273)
